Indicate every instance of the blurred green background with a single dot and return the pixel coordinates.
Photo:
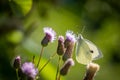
(21, 30)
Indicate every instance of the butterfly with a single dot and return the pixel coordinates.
(86, 51)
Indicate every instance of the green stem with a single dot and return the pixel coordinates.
(47, 62)
(17, 74)
(59, 77)
(40, 57)
(33, 59)
(58, 67)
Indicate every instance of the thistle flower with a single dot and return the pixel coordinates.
(29, 70)
(65, 69)
(69, 45)
(92, 68)
(60, 48)
(70, 38)
(50, 36)
(17, 62)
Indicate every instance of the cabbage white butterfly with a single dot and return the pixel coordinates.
(86, 51)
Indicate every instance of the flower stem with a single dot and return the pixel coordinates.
(40, 57)
(47, 62)
(59, 77)
(17, 74)
(33, 60)
(58, 67)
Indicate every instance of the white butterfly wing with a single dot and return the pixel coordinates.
(83, 55)
(96, 53)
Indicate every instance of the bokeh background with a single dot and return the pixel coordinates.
(21, 31)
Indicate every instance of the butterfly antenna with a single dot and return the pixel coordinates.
(83, 29)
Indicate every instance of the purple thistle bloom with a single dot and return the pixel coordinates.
(70, 38)
(50, 36)
(29, 70)
(50, 33)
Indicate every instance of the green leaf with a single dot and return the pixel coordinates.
(21, 6)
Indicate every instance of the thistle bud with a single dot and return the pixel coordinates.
(60, 48)
(68, 52)
(69, 45)
(17, 62)
(92, 68)
(65, 69)
(49, 36)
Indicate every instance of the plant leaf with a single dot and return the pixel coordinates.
(21, 6)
